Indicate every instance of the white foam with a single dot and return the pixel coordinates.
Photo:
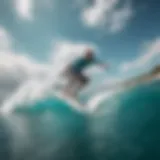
(94, 102)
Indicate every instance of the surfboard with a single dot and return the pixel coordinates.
(75, 104)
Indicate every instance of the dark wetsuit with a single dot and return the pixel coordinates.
(77, 68)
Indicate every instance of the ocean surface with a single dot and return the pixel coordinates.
(125, 126)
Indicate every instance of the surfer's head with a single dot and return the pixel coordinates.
(89, 53)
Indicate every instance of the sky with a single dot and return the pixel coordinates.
(37, 34)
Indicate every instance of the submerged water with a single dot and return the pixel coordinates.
(125, 127)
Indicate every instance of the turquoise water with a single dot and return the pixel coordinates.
(126, 126)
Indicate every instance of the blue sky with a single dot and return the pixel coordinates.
(125, 32)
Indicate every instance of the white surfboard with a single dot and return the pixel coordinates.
(71, 101)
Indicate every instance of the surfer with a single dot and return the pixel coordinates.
(74, 73)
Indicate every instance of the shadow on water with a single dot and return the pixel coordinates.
(5, 149)
(131, 129)
(138, 121)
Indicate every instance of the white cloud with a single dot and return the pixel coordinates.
(12, 62)
(120, 18)
(94, 15)
(24, 8)
(152, 52)
(103, 13)
(16, 68)
(9, 61)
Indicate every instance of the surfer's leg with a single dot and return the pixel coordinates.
(81, 82)
(68, 87)
(76, 82)
(74, 85)
(75, 89)
(71, 77)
